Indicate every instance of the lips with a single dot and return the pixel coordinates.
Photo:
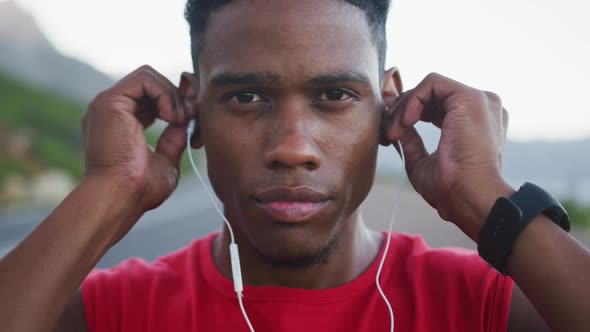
(291, 204)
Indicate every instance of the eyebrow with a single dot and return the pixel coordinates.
(235, 78)
(267, 78)
(339, 77)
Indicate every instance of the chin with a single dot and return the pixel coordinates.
(298, 256)
(295, 246)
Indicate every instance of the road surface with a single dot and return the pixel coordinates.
(188, 215)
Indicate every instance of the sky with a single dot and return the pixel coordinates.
(534, 54)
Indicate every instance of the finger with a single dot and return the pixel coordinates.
(433, 114)
(147, 109)
(163, 180)
(146, 83)
(394, 128)
(429, 96)
(146, 114)
(172, 143)
(183, 109)
(396, 114)
(413, 148)
(505, 121)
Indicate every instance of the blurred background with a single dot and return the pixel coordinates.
(55, 56)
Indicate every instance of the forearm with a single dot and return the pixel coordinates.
(550, 267)
(553, 271)
(38, 278)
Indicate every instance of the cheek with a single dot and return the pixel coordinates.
(354, 154)
(357, 137)
(229, 150)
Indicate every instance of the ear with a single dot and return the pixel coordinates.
(392, 86)
(188, 89)
(391, 89)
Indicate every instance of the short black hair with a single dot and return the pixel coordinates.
(197, 13)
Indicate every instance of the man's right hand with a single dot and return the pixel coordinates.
(115, 145)
(123, 179)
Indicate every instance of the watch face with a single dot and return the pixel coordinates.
(505, 215)
(499, 231)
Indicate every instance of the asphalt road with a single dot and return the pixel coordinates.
(185, 216)
(188, 214)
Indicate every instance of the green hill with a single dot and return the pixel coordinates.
(39, 131)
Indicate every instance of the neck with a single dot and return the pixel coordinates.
(358, 247)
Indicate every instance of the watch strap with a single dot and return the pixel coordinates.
(533, 200)
(510, 216)
(497, 232)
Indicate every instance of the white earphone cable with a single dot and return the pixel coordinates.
(388, 241)
(233, 247)
(190, 129)
(244, 312)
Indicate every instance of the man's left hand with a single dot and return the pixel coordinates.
(462, 178)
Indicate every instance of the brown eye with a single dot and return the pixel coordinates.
(334, 95)
(246, 97)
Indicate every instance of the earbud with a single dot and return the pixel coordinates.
(192, 129)
(193, 126)
(384, 124)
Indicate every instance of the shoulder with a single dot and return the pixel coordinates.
(121, 295)
(413, 252)
(172, 265)
(455, 282)
(455, 267)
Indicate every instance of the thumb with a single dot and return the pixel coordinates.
(172, 143)
(420, 166)
(413, 148)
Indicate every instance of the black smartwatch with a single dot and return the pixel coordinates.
(509, 217)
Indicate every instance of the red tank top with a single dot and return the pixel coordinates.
(429, 289)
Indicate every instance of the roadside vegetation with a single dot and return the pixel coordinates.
(579, 214)
(40, 133)
(41, 149)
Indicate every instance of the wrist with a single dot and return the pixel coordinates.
(475, 202)
(114, 203)
(510, 217)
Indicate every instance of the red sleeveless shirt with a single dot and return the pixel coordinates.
(429, 289)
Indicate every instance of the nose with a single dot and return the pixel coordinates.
(292, 144)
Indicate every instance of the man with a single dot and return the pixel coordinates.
(289, 98)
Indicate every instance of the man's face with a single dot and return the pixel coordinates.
(289, 108)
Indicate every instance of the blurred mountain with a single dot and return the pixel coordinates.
(28, 55)
(41, 144)
(30, 67)
(41, 154)
(563, 168)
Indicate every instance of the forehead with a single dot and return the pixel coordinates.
(290, 38)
